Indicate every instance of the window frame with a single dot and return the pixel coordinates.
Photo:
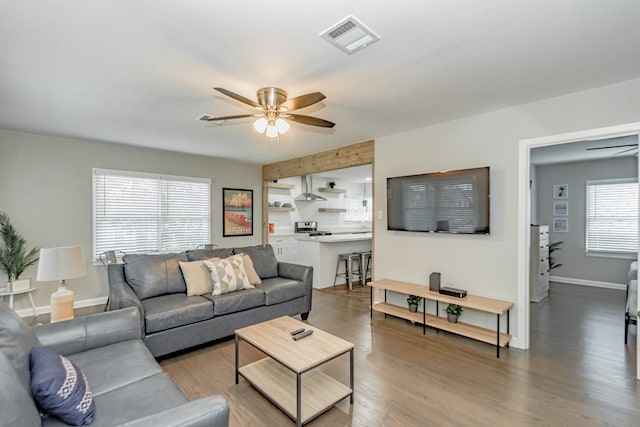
(148, 176)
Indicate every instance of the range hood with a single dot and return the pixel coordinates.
(306, 195)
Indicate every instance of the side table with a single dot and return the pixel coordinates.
(5, 292)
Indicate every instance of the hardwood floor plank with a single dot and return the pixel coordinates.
(577, 373)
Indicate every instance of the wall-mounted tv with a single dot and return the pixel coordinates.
(444, 202)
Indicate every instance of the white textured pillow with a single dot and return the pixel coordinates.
(254, 279)
(197, 277)
(228, 274)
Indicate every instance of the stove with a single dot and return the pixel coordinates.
(310, 228)
(320, 233)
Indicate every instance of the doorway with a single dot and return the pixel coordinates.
(524, 209)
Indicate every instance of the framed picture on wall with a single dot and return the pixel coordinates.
(560, 225)
(237, 212)
(560, 191)
(560, 208)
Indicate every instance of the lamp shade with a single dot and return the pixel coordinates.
(57, 264)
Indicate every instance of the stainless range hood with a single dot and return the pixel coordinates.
(306, 195)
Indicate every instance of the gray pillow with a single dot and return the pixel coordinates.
(155, 275)
(16, 341)
(202, 254)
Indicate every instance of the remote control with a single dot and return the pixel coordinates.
(297, 331)
(302, 335)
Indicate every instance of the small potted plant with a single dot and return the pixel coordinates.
(332, 184)
(15, 258)
(413, 302)
(453, 312)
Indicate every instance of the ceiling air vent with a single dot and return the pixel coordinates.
(350, 35)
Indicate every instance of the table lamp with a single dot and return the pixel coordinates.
(60, 264)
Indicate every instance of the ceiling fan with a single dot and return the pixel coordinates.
(274, 108)
(623, 146)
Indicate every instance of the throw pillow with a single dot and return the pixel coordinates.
(197, 276)
(254, 279)
(60, 388)
(228, 275)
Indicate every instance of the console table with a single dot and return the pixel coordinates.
(488, 305)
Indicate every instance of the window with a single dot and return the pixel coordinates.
(140, 212)
(612, 216)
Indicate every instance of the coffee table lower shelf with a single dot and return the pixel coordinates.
(320, 392)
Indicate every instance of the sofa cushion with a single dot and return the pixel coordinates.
(16, 340)
(16, 405)
(60, 387)
(197, 277)
(263, 258)
(170, 311)
(133, 401)
(153, 275)
(236, 301)
(228, 274)
(116, 365)
(279, 289)
(202, 254)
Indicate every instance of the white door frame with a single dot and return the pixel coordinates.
(524, 211)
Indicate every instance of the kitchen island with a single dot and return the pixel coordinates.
(321, 252)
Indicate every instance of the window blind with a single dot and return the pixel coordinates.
(139, 212)
(612, 216)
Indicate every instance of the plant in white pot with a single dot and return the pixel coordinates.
(453, 312)
(15, 258)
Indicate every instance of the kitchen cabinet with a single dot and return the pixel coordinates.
(285, 248)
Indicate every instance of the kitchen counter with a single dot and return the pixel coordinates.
(321, 252)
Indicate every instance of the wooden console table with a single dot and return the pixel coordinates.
(489, 305)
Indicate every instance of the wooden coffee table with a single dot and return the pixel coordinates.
(279, 376)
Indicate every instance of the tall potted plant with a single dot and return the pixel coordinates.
(15, 258)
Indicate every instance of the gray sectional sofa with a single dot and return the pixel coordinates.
(129, 387)
(173, 321)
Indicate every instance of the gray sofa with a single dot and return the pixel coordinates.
(173, 321)
(129, 388)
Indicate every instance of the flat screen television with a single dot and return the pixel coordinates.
(444, 202)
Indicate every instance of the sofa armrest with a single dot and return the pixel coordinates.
(88, 332)
(120, 293)
(302, 273)
(212, 411)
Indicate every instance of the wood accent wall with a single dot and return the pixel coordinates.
(338, 158)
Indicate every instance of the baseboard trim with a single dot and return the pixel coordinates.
(45, 309)
(592, 283)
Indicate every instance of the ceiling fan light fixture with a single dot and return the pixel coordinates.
(260, 125)
(282, 126)
(272, 132)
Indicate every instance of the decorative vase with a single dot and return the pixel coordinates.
(19, 285)
(452, 318)
(413, 308)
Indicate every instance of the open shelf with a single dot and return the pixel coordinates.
(331, 210)
(331, 190)
(280, 186)
(278, 384)
(273, 209)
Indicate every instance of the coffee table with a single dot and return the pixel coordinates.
(279, 376)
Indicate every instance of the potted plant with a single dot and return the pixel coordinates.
(15, 258)
(453, 312)
(332, 184)
(552, 261)
(413, 302)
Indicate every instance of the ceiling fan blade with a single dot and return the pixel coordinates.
(302, 101)
(238, 97)
(611, 146)
(207, 118)
(313, 121)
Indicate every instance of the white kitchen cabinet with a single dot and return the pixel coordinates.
(285, 247)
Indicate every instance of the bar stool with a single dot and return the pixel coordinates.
(348, 260)
(365, 264)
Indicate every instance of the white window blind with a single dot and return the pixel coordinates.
(139, 212)
(612, 216)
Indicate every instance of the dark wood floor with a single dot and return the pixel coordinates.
(577, 373)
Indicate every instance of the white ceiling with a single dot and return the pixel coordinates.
(141, 72)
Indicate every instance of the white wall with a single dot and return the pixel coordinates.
(45, 187)
(484, 265)
(576, 266)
